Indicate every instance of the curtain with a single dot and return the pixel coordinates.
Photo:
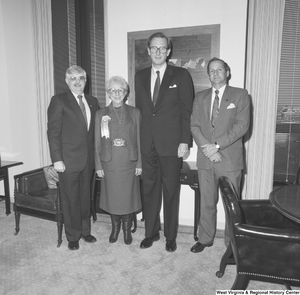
(41, 17)
(265, 22)
(287, 142)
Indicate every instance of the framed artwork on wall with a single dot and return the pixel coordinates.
(192, 48)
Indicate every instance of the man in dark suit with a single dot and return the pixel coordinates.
(71, 121)
(164, 94)
(219, 121)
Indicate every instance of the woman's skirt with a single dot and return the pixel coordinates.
(120, 188)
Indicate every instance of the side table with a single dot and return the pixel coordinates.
(4, 165)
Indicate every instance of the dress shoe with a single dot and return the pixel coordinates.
(198, 247)
(147, 242)
(73, 245)
(171, 245)
(89, 239)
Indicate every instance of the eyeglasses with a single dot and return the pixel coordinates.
(116, 91)
(154, 49)
(73, 79)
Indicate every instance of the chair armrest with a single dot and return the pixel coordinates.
(28, 172)
(30, 181)
(268, 233)
(263, 213)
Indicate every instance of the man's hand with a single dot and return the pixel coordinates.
(209, 150)
(59, 166)
(138, 171)
(216, 158)
(100, 173)
(183, 150)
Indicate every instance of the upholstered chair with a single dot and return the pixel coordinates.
(264, 244)
(37, 194)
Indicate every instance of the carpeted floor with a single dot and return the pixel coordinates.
(30, 263)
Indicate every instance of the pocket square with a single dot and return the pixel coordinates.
(174, 86)
(231, 106)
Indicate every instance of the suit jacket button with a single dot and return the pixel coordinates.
(153, 115)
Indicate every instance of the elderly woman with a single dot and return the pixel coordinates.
(118, 158)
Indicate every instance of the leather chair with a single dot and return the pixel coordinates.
(33, 197)
(264, 244)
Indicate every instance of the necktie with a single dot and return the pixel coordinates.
(82, 107)
(215, 110)
(156, 88)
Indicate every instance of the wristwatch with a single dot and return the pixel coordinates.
(217, 146)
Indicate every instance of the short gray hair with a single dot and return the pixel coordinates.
(75, 70)
(116, 80)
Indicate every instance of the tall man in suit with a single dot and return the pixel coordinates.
(164, 94)
(220, 119)
(71, 121)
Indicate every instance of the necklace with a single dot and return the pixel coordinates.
(119, 118)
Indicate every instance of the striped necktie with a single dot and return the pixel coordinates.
(215, 110)
(82, 107)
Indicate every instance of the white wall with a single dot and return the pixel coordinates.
(18, 111)
(19, 139)
(125, 16)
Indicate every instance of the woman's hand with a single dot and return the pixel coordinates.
(100, 173)
(138, 171)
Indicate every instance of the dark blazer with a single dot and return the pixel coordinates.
(231, 125)
(69, 139)
(168, 123)
(103, 145)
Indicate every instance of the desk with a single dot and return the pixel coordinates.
(188, 176)
(4, 165)
(287, 201)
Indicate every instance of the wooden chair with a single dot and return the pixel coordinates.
(264, 244)
(33, 197)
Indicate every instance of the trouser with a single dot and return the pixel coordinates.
(209, 194)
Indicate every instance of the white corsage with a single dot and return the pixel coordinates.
(104, 126)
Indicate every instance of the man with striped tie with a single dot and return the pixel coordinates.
(219, 120)
(71, 120)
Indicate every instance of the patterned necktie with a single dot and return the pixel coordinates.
(156, 88)
(82, 107)
(215, 110)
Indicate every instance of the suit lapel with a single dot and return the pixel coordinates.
(89, 102)
(147, 86)
(109, 111)
(127, 117)
(225, 100)
(93, 109)
(207, 103)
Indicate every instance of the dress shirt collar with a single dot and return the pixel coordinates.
(161, 70)
(76, 96)
(221, 92)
